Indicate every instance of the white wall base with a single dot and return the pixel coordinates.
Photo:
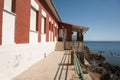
(33, 37)
(49, 35)
(43, 38)
(55, 39)
(14, 59)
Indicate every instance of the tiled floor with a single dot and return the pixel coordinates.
(56, 66)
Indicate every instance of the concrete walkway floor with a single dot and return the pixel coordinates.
(56, 66)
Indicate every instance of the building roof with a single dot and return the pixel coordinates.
(53, 9)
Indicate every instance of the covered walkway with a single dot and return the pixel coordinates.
(56, 66)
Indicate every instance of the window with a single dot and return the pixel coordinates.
(52, 28)
(37, 21)
(43, 24)
(9, 5)
(49, 26)
(55, 31)
(13, 6)
(61, 33)
(33, 19)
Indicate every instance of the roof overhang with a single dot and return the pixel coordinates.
(53, 9)
(77, 27)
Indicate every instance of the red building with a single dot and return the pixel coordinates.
(29, 29)
(36, 22)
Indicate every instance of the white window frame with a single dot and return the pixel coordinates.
(43, 22)
(34, 5)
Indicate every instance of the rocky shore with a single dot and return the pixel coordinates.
(98, 66)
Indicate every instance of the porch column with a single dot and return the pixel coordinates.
(80, 45)
(80, 40)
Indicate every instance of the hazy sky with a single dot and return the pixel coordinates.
(101, 16)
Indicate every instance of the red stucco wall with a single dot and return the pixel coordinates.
(49, 27)
(1, 13)
(22, 21)
(68, 27)
(54, 33)
(39, 25)
(22, 24)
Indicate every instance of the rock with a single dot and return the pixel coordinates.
(87, 49)
(107, 71)
(106, 76)
(80, 56)
(100, 70)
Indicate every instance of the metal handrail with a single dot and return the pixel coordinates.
(78, 68)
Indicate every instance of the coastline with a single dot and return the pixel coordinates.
(109, 49)
(99, 69)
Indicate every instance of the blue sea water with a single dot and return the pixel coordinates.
(109, 49)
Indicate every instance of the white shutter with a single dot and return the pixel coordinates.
(43, 24)
(8, 5)
(33, 20)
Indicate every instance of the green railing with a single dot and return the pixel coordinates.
(77, 67)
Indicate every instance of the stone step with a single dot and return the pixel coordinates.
(59, 46)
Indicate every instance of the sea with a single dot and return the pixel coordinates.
(109, 49)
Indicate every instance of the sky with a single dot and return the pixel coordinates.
(101, 16)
